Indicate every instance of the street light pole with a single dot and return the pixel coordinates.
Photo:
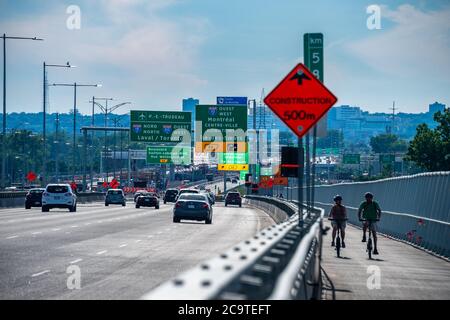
(44, 120)
(3, 151)
(75, 85)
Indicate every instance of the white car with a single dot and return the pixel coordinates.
(59, 196)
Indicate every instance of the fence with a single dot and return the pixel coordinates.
(414, 208)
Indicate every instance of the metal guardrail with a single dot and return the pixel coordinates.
(253, 269)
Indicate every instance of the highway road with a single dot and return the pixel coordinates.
(121, 252)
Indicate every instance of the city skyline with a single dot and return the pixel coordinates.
(154, 53)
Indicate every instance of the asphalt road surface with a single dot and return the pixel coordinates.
(119, 252)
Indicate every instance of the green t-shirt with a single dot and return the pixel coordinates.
(369, 210)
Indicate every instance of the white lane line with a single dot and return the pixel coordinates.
(56, 229)
(159, 232)
(87, 223)
(102, 252)
(123, 245)
(76, 261)
(40, 273)
(67, 232)
(137, 241)
(12, 237)
(150, 236)
(74, 226)
(34, 233)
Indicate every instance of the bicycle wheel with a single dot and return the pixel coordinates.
(338, 246)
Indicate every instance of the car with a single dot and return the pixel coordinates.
(59, 196)
(170, 195)
(234, 181)
(191, 206)
(182, 191)
(233, 197)
(210, 199)
(139, 193)
(115, 196)
(34, 198)
(228, 180)
(147, 200)
(202, 187)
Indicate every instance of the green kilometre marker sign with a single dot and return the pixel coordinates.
(157, 126)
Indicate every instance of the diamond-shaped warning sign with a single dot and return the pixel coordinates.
(300, 100)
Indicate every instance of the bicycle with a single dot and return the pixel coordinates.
(338, 244)
(369, 247)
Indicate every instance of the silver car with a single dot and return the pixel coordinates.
(115, 196)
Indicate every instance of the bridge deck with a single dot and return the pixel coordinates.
(406, 272)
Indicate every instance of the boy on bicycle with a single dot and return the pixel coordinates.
(338, 214)
(370, 210)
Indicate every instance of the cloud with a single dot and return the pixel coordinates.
(418, 43)
(127, 45)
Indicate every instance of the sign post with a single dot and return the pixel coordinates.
(313, 55)
(300, 100)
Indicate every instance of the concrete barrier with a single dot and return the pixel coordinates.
(17, 199)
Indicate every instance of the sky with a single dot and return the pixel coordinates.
(154, 53)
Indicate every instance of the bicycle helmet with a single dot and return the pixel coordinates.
(368, 195)
(337, 197)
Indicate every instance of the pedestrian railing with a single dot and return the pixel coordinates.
(280, 262)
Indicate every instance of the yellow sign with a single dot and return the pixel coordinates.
(232, 167)
(214, 146)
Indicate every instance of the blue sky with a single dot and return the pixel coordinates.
(155, 53)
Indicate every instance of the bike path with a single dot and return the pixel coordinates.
(402, 271)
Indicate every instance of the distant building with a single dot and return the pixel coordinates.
(435, 107)
(189, 106)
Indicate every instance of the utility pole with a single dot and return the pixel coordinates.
(57, 147)
(3, 150)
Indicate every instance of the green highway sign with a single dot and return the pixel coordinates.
(232, 157)
(387, 158)
(223, 118)
(351, 158)
(158, 126)
(242, 174)
(165, 155)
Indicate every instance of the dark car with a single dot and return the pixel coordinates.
(138, 194)
(34, 198)
(115, 196)
(233, 198)
(192, 207)
(147, 200)
(170, 195)
(234, 181)
(183, 191)
(228, 179)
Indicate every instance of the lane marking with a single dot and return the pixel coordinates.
(56, 229)
(102, 252)
(87, 223)
(12, 237)
(76, 261)
(137, 241)
(34, 233)
(74, 226)
(150, 236)
(40, 273)
(123, 245)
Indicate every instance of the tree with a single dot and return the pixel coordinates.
(430, 149)
(387, 143)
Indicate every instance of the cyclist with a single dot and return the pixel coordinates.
(370, 210)
(338, 212)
